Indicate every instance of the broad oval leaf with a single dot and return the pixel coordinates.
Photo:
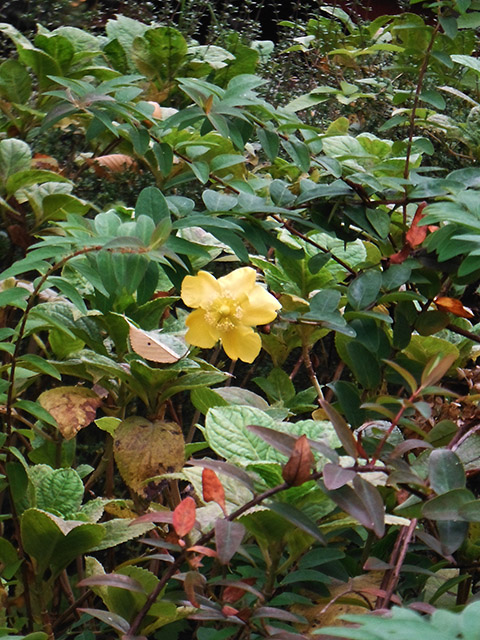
(145, 449)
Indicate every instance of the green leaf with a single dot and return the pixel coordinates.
(299, 519)
(120, 530)
(159, 52)
(364, 364)
(227, 434)
(305, 575)
(217, 201)
(61, 490)
(445, 471)
(15, 156)
(37, 363)
(22, 179)
(269, 141)
(447, 505)
(364, 290)
(36, 410)
(15, 82)
(14, 297)
(151, 202)
(164, 154)
(54, 542)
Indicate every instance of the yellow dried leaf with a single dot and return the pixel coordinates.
(145, 449)
(72, 407)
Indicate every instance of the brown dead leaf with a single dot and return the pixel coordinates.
(144, 449)
(72, 407)
(298, 468)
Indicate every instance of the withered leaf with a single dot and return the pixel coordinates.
(72, 407)
(299, 465)
(144, 449)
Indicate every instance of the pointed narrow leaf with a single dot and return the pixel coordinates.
(297, 518)
(112, 619)
(371, 498)
(112, 580)
(342, 429)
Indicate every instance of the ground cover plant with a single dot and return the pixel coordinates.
(238, 324)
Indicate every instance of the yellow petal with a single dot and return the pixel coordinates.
(200, 290)
(200, 333)
(238, 283)
(242, 343)
(260, 307)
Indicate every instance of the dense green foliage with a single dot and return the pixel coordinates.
(152, 486)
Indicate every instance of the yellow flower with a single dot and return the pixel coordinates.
(226, 309)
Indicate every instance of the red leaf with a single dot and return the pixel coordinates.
(229, 611)
(213, 489)
(234, 592)
(416, 235)
(183, 518)
(400, 256)
(299, 465)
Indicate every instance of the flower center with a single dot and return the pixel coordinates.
(223, 313)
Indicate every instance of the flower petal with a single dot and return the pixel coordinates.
(238, 283)
(242, 343)
(260, 307)
(200, 333)
(200, 290)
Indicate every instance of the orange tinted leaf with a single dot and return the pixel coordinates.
(208, 104)
(206, 551)
(297, 470)
(453, 305)
(229, 611)
(213, 489)
(416, 235)
(183, 518)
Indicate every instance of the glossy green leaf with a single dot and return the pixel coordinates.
(445, 471)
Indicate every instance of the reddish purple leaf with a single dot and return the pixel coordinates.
(112, 619)
(335, 476)
(228, 537)
(112, 580)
